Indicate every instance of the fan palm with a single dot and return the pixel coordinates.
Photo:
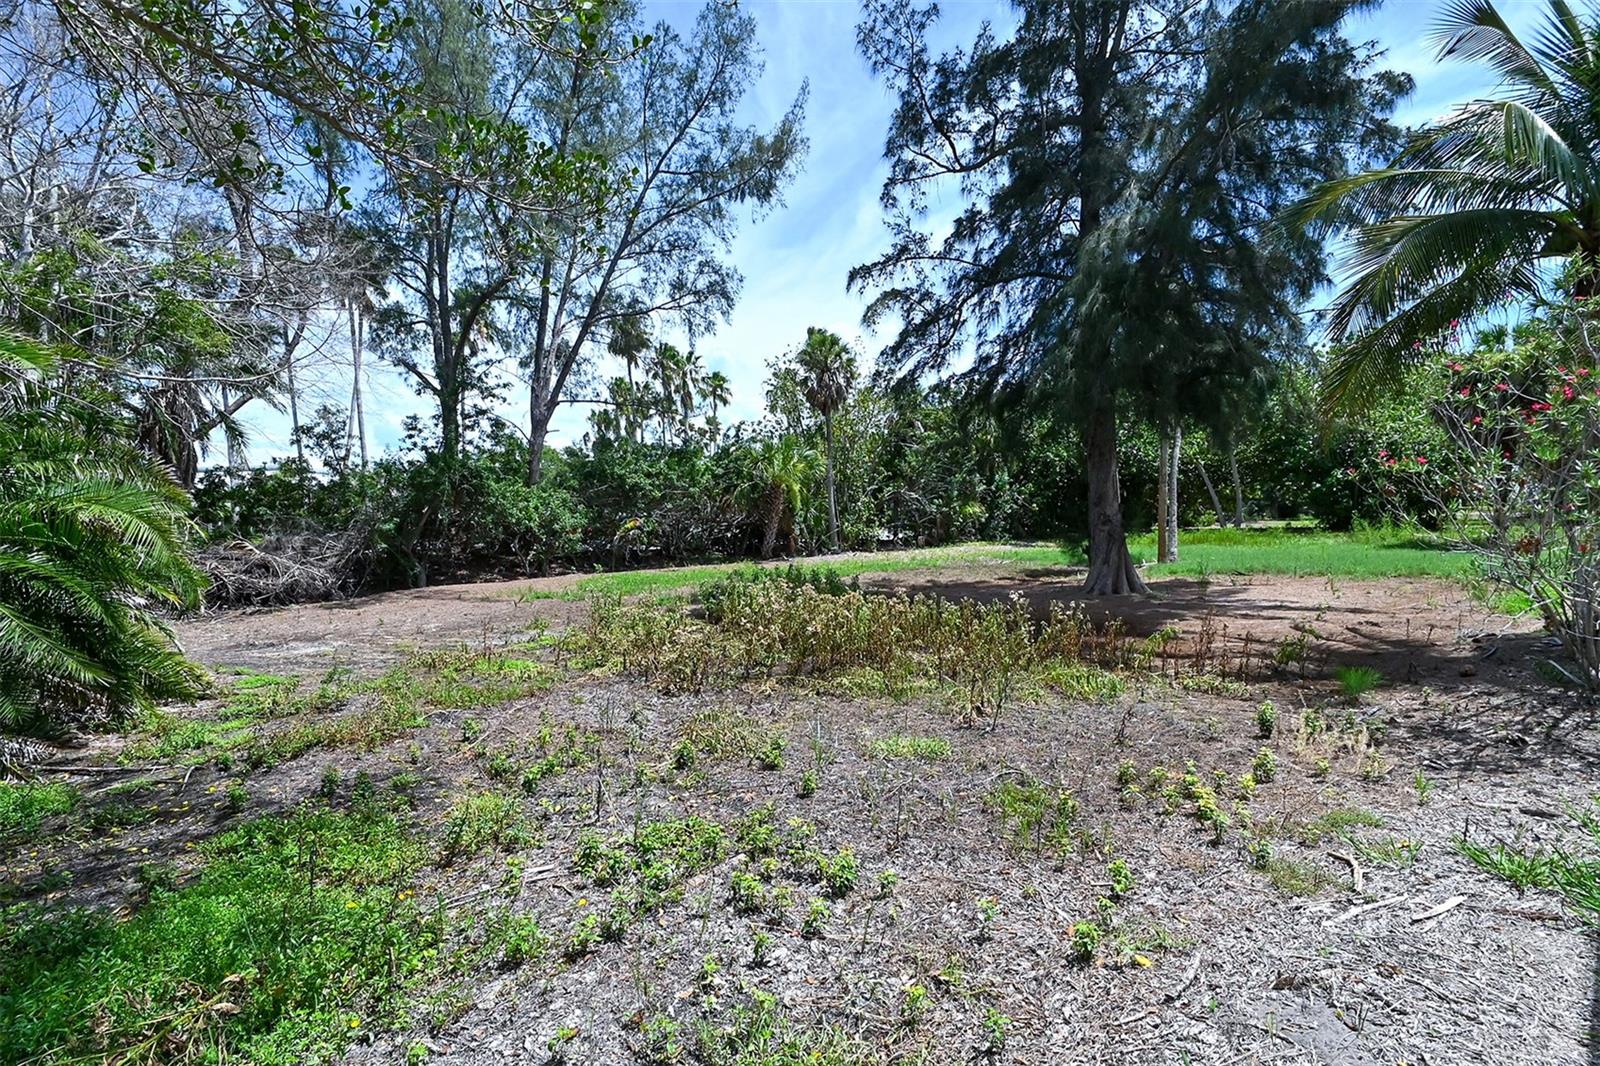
(93, 536)
(1476, 207)
(780, 470)
(829, 372)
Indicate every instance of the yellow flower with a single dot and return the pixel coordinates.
(1142, 960)
(352, 905)
(355, 1023)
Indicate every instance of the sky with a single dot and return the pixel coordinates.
(796, 258)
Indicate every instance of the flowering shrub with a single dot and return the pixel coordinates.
(1523, 425)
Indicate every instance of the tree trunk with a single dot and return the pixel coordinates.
(294, 413)
(1211, 490)
(769, 535)
(538, 429)
(1163, 496)
(1238, 489)
(1111, 569)
(1171, 555)
(833, 507)
(357, 331)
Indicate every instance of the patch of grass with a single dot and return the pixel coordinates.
(1035, 817)
(761, 1034)
(1357, 681)
(257, 696)
(298, 934)
(24, 805)
(1082, 681)
(1298, 552)
(899, 746)
(1296, 878)
(486, 820)
(1338, 823)
(1576, 877)
(648, 867)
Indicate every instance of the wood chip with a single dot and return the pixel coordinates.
(1433, 912)
(1364, 908)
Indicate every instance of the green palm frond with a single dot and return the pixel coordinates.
(92, 533)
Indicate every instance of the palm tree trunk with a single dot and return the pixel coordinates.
(774, 518)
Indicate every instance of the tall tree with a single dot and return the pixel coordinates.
(656, 247)
(1469, 214)
(1119, 161)
(828, 369)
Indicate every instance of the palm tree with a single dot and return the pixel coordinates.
(93, 536)
(718, 391)
(780, 470)
(630, 338)
(1475, 206)
(829, 373)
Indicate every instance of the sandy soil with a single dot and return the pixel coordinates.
(1430, 961)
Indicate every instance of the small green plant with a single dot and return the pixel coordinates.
(1266, 719)
(748, 894)
(584, 938)
(486, 820)
(913, 1004)
(1127, 775)
(1357, 681)
(471, 729)
(770, 757)
(1321, 768)
(1121, 875)
(995, 1026)
(1264, 766)
(839, 873)
(710, 969)
(816, 919)
(522, 940)
(24, 805)
(235, 797)
(662, 1039)
(330, 782)
(760, 949)
(808, 784)
(887, 879)
(1424, 785)
(900, 746)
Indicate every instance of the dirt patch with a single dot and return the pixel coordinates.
(1296, 934)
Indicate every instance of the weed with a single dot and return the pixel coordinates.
(995, 1027)
(1121, 875)
(1424, 786)
(1338, 823)
(471, 729)
(24, 805)
(661, 1039)
(808, 784)
(584, 938)
(770, 757)
(1357, 681)
(1264, 766)
(887, 879)
(486, 820)
(1576, 877)
(747, 893)
(1266, 719)
(235, 797)
(816, 918)
(296, 924)
(1084, 938)
(1036, 817)
(1296, 878)
(522, 940)
(839, 873)
(760, 949)
(913, 1004)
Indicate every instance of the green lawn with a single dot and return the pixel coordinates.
(1202, 552)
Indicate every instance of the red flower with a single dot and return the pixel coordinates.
(1538, 405)
(1457, 367)
(1422, 460)
(1502, 387)
(1477, 420)
(1567, 392)
(1466, 390)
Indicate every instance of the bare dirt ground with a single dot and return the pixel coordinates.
(1380, 944)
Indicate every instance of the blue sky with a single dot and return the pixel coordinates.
(795, 260)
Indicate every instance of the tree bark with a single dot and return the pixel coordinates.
(769, 535)
(1238, 489)
(1211, 490)
(357, 426)
(1111, 569)
(1171, 555)
(539, 413)
(1163, 496)
(833, 507)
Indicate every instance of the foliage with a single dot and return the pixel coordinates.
(24, 805)
(1575, 875)
(94, 539)
(297, 933)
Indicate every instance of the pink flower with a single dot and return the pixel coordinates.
(1350, 470)
(1538, 405)
(1466, 390)
(1416, 344)
(1567, 392)
(1422, 460)
(1456, 368)
(1477, 420)
(1502, 387)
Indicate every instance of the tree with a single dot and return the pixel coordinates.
(829, 372)
(781, 468)
(93, 539)
(718, 393)
(1468, 214)
(1115, 157)
(656, 245)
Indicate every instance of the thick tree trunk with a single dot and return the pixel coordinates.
(1211, 490)
(538, 429)
(1111, 569)
(1238, 489)
(833, 507)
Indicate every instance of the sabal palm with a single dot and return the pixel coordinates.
(92, 537)
(829, 372)
(1476, 207)
(718, 392)
(781, 469)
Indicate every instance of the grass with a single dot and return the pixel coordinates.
(1298, 552)
(1295, 551)
(908, 747)
(298, 934)
(1576, 877)
(25, 805)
